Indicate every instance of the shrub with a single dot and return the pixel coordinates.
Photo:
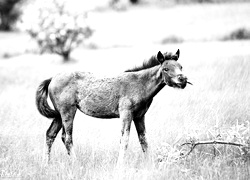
(172, 39)
(9, 13)
(238, 34)
(57, 30)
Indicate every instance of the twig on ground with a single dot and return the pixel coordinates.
(194, 144)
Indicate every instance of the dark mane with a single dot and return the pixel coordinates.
(146, 64)
(153, 62)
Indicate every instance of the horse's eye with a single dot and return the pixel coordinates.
(166, 69)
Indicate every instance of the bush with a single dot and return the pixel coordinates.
(172, 39)
(238, 34)
(9, 13)
(57, 30)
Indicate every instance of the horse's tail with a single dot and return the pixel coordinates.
(41, 100)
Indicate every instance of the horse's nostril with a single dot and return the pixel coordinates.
(182, 78)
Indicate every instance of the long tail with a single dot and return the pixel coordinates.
(41, 100)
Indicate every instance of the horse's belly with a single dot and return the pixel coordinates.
(99, 109)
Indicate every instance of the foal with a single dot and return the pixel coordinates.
(126, 96)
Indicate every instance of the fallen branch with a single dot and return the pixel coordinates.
(194, 144)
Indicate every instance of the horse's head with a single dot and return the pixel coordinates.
(171, 70)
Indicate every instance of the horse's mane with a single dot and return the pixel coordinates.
(146, 64)
(153, 62)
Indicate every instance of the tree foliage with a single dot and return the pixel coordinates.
(9, 13)
(57, 30)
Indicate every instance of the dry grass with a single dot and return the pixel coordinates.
(218, 98)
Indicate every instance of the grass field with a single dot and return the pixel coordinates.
(218, 102)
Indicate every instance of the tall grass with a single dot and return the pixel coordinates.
(219, 98)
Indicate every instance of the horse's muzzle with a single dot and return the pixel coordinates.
(182, 81)
(182, 85)
(182, 78)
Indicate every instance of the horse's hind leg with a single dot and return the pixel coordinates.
(51, 134)
(63, 135)
(68, 115)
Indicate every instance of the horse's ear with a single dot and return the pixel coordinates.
(160, 57)
(177, 54)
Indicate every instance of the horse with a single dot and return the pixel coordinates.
(127, 96)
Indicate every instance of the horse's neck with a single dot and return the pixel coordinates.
(153, 81)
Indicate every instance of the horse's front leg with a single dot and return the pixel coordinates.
(126, 117)
(141, 131)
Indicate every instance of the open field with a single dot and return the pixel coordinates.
(219, 99)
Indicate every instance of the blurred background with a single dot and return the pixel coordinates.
(61, 27)
(39, 39)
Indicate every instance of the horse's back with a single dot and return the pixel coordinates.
(93, 95)
(96, 95)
